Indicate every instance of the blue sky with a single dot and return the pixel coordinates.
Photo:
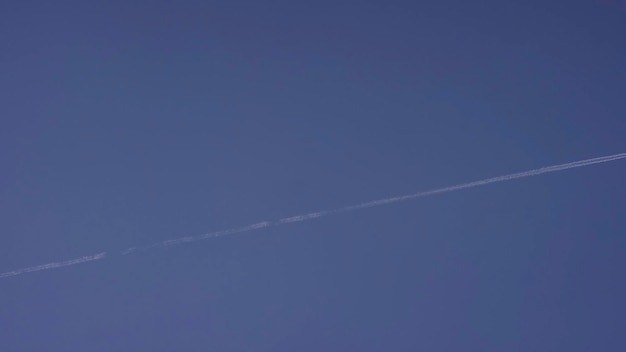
(130, 123)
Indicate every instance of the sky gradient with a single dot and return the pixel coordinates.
(130, 123)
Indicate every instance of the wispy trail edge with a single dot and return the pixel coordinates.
(309, 216)
(88, 258)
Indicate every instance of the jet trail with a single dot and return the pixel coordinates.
(309, 216)
(88, 258)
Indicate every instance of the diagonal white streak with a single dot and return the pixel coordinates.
(88, 258)
(309, 216)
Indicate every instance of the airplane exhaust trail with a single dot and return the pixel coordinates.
(88, 258)
(310, 216)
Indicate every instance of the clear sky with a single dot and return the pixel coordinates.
(125, 123)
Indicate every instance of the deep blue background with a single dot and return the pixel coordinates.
(127, 123)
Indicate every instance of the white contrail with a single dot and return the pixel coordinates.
(508, 177)
(309, 216)
(88, 258)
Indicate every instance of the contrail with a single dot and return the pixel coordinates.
(309, 216)
(88, 258)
